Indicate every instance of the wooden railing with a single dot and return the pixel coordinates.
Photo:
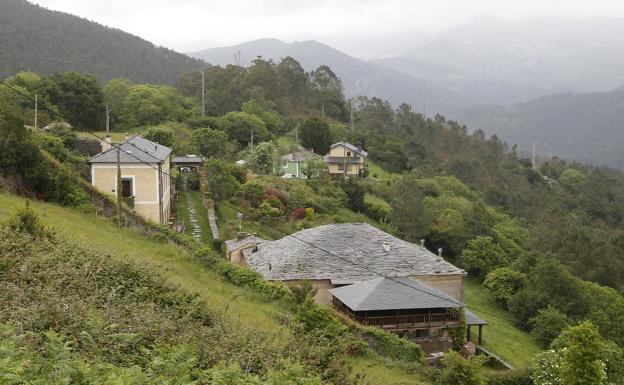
(412, 321)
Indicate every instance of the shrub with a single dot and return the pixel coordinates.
(252, 192)
(504, 282)
(376, 211)
(510, 377)
(482, 255)
(157, 237)
(391, 345)
(309, 213)
(298, 213)
(548, 324)
(302, 291)
(26, 221)
(460, 371)
(243, 276)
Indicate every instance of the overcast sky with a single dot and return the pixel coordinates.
(187, 25)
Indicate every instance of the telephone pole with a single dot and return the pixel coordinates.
(107, 120)
(203, 93)
(118, 189)
(533, 157)
(36, 108)
(252, 138)
(351, 118)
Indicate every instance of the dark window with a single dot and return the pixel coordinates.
(126, 188)
(348, 153)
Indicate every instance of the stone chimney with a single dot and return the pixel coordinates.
(105, 142)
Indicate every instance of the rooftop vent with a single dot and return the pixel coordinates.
(440, 252)
(386, 246)
(422, 243)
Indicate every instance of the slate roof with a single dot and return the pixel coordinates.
(300, 155)
(344, 253)
(187, 159)
(393, 294)
(234, 244)
(350, 147)
(135, 147)
(473, 319)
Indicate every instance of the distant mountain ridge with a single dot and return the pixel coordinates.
(44, 41)
(587, 127)
(359, 77)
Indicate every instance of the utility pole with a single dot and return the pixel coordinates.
(351, 118)
(36, 108)
(107, 120)
(533, 157)
(252, 140)
(119, 188)
(203, 94)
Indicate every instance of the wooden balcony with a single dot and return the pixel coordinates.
(413, 321)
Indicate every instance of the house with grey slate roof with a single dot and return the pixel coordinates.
(371, 276)
(145, 169)
(345, 160)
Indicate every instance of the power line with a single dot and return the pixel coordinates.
(227, 204)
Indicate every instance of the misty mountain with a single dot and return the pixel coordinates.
(44, 41)
(359, 77)
(588, 127)
(502, 62)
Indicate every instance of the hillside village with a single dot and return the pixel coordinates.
(252, 225)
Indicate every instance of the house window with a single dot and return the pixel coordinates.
(341, 166)
(126, 187)
(348, 153)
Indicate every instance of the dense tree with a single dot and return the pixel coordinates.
(79, 98)
(149, 105)
(263, 158)
(547, 325)
(408, 211)
(355, 195)
(329, 92)
(482, 255)
(210, 143)
(460, 371)
(504, 282)
(160, 135)
(315, 135)
(240, 126)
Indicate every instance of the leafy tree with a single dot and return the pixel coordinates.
(150, 105)
(504, 282)
(482, 255)
(407, 209)
(210, 143)
(222, 183)
(263, 158)
(329, 91)
(547, 325)
(460, 371)
(115, 93)
(355, 195)
(316, 135)
(160, 135)
(239, 126)
(582, 364)
(79, 98)
(262, 109)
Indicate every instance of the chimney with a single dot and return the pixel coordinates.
(422, 243)
(440, 252)
(105, 142)
(386, 246)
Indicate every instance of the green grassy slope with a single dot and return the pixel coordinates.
(501, 336)
(238, 304)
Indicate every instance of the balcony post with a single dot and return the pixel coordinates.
(480, 333)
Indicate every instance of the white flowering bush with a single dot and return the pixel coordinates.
(547, 369)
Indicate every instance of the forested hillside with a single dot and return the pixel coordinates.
(586, 127)
(45, 41)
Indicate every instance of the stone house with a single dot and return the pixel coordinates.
(145, 169)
